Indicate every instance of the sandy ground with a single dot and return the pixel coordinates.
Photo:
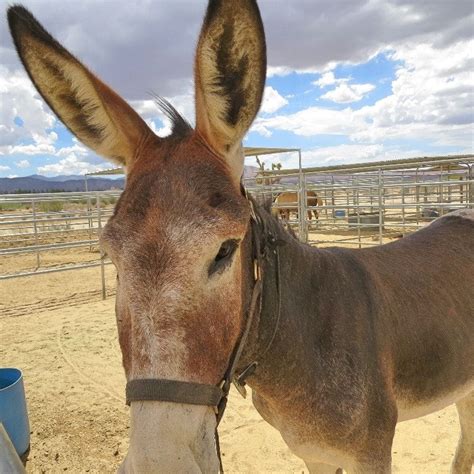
(63, 336)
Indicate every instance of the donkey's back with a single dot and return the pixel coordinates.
(425, 283)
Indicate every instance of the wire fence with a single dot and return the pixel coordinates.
(354, 206)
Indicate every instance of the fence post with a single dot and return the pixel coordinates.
(470, 188)
(303, 234)
(35, 227)
(380, 185)
(403, 204)
(303, 231)
(102, 256)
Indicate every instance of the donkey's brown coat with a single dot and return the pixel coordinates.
(364, 338)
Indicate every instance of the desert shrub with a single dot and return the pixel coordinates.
(50, 206)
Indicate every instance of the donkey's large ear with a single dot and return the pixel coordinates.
(90, 109)
(229, 76)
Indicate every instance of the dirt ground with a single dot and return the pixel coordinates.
(62, 335)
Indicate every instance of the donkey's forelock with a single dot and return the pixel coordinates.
(180, 127)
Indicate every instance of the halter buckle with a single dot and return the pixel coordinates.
(256, 270)
(240, 387)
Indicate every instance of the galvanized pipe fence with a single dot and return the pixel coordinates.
(357, 206)
(364, 205)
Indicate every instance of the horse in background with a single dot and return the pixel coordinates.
(287, 202)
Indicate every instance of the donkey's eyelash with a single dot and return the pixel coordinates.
(224, 256)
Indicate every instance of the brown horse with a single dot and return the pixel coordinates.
(338, 345)
(287, 202)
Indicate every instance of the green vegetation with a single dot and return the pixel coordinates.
(14, 206)
(50, 206)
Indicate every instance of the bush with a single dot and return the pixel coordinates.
(50, 206)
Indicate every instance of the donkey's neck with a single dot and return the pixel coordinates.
(291, 272)
(307, 341)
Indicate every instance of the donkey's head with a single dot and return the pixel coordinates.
(178, 233)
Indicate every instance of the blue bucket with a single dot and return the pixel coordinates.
(13, 413)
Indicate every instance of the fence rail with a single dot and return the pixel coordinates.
(359, 206)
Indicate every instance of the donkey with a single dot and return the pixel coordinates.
(337, 345)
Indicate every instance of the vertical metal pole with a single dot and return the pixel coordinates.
(440, 192)
(380, 184)
(417, 199)
(403, 203)
(302, 202)
(470, 196)
(449, 185)
(102, 266)
(35, 227)
(325, 200)
(355, 184)
(333, 201)
(89, 220)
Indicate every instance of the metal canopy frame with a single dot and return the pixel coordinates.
(248, 151)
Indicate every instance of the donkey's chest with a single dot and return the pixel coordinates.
(308, 443)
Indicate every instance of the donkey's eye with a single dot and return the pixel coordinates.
(227, 248)
(223, 257)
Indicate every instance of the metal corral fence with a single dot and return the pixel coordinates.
(37, 229)
(367, 204)
(357, 205)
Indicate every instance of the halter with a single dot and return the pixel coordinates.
(263, 243)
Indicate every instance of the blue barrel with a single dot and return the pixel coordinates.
(13, 413)
(339, 214)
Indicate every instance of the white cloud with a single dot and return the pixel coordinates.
(337, 155)
(431, 101)
(311, 121)
(272, 101)
(42, 149)
(71, 165)
(285, 70)
(328, 79)
(347, 153)
(77, 149)
(4, 168)
(345, 93)
(20, 99)
(432, 98)
(22, 164)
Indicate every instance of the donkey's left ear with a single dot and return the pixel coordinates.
(229, 76)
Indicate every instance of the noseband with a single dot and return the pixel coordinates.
(264, 243)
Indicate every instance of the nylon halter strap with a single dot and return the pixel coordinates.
(176, 391)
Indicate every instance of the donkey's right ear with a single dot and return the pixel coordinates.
(92, 111)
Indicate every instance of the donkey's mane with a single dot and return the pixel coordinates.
(180, 127)
(272, 222)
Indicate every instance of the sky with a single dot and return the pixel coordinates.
(348, 80)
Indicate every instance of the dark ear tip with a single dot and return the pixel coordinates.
(17, 14)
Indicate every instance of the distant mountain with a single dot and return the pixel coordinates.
(250, 172)
(61, 177)
(42, 184)
(37, 183)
